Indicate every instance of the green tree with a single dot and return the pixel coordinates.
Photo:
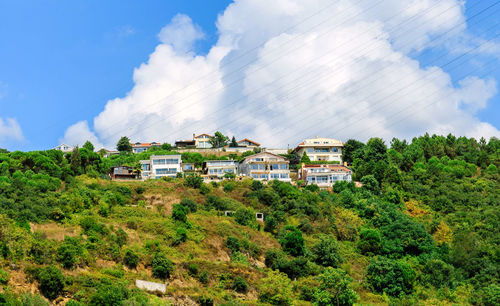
(89, 146)
(218, 140)
(351, 148)
(393, 277)
(335, 289)
(193, 181)
(326, 252)
(166, 147)
(162, 266)
(305, 159)
(233, 143)
(179, 213)
(276, 289)
(124, 145)
(244, 216)
(370, 183)
(292, 241)
(51, 282)
(75, 161)
(370, 241)
(131, 259)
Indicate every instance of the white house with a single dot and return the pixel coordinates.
(64, 148)
(324, 175)
(321, 149)
(158, 166)
(139, 147)
(265, 166)
(218, 168)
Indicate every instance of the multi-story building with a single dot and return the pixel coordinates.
(202, 141)
(122, 173)
(321, 149)
(139, 147)
(64, 148)
(158, 166)
(218, 168)
(324, 175)
(265, 166)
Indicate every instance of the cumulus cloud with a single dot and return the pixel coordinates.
(288, 69)
(10, 130)
(79, 133)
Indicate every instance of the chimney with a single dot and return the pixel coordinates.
(194, 135)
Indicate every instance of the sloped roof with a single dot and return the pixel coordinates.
(262, 153)
(248, 140)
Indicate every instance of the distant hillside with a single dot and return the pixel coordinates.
(423, 229)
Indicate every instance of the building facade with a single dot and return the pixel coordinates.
(218, 168)
(321, 149)
(122, 173)
(158, 166)
(324, 175)
(64, 148)
(139, 147)
(248, 143)
(265, 166)
(202, 141)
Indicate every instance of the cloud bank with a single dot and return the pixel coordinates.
(10, 130)
(285, 70)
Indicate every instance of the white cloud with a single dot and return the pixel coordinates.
(288, 69)
(78, 134)
(10, 130)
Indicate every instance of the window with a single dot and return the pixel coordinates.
(263, 176)
(166, 171)
(310, 150)
(258, 159)
(273, 167)
(275, 176)
(171, 161)
(255, 176)
(254, 167)
(188, 167)
(335, 150)
(283, 166)
(158, 161)
(284, 175)
(145, 167)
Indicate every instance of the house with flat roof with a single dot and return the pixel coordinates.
(321, 149)
(324, 175)
(64, 148)
(265, 166)
(158, 166)
(122, 173)
(218, 168)
(140, 147)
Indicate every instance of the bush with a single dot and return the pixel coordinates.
(240, 285)
(205, 301)
(256, 185)
(205, 189)
(270, 224)
(30, 299)
(228, 187)
(335, 289)
(233, 244)
(326, 252)
(51, 282)
(292, 241)
(68, 252)
(244, 216)
(109, 295)
(275, 259)
(179, 213)
(193, 181)
(203, 277)
(131, 259)
(370, 183)
(189, 204)
(438, 273)
(390, 276)
(370, 241)
(4, 277)
(180, 235)
(193, 269)
(276, 289)
(162, 266)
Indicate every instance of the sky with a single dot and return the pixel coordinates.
(275, 72)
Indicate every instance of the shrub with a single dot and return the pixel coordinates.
(390, 276)
(109, 295)
(233, 244)
(240, 285)
(180, 235)
(370, 183)
(68, 251)
(51, 282)
(334, 289)
(275, 259)
(270, 224)
(4, 277)
(292, 241)
(370, 241)
(131, 259)
(193, 269)
(162, 266)
(326, 252)
(193, 181)
(438, 273)
(179, 213)
(276, 289)
(189, 204)
(244, 216)
(205, 301)
(228, 187)
(256, 185)
(205, 189)
(30, 299)
(203, 277)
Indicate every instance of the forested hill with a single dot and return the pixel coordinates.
(422, 230)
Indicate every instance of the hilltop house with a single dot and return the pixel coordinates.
(321, 149)
(248, 143)
(265, 166)
(158, 166)
(218, 168)
(64, 148)
(324, 175)
(202, 141)
(139, 147)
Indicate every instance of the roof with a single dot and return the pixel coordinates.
(320, 142)
(248, 140)
(261, 153)
(328, 166)
(144, 144)
(202, 135)
(62, 144)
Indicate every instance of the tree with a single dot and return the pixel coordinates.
(89, 146)
(193, 181)
(350, 149)
(218, 140)
(292, 241)
(276, 289)
(124, 145)
(234, 143)
(393, 277)
(51, 282)
(326, 252)
(162, 266)
(370, 183)
(166, 147)
(305, 159)
(179, 213)
(334, 289)
(75, 161)
(370, 241)
(131, 259)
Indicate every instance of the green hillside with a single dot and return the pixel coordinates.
(422, 229)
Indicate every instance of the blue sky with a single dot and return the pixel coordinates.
(61, 61)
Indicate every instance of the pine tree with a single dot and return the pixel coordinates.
(75, 161)
(233, 143)
(305, 159)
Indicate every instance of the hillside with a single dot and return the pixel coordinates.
(421, 230)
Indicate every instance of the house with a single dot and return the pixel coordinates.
(122, 173)
(64, 148)
(185, 144)
(110, 152)
(202, 141)
(321, 149)
(248, 143)
(139, 147)
(324, 175)
(188, 167)
(265, 166)
(218, 168)
(158, 166)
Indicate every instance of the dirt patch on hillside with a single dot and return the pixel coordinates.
(55, 231)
